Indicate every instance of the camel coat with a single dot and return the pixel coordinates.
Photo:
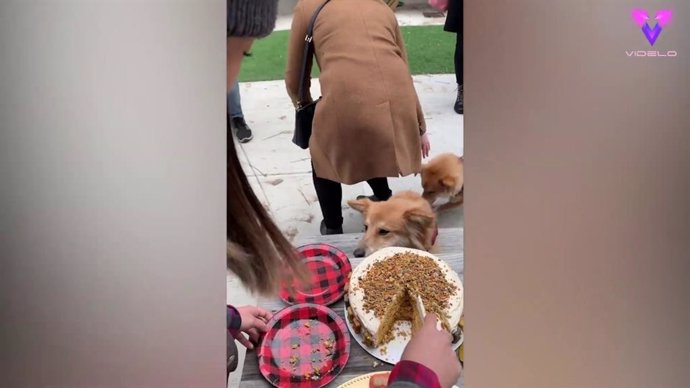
(369, 120)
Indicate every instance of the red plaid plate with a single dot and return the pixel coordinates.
(329, 269)
(306, 346)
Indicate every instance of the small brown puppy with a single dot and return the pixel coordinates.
(443, 181)
(405, 220)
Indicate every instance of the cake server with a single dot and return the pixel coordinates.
(419, 305)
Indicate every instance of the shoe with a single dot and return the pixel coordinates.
(459, 101)
(328, 231)
(241, 129)
(372, 198)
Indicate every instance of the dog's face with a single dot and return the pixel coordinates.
(437, 187)
(442, 178)
(401, 222)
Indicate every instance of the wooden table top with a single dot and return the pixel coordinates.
(449, 247)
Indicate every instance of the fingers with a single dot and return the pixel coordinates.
(244, 341)
(264, 315)
(254, 335)
(259, 325)
(433, 323)
(254, 318)
(430, 319)
(426, 147)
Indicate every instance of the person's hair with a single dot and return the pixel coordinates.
(258, 252)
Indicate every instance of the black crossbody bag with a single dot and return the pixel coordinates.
(304, 114)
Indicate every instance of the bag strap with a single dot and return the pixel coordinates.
(308, 46)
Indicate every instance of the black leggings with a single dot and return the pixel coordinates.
(330, 196)
(458, 58)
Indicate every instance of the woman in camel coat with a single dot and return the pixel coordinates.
(369, 124)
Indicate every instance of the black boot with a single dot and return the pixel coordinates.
(372, 198)
(459, 106)
(325, 230)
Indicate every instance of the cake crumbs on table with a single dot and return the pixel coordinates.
(328, 344)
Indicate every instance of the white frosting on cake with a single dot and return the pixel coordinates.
(356, 295)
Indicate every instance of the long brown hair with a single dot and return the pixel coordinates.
(258, 253)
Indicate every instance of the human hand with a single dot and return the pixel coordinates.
(441, 5)
(426, 146)
(253, 324)
(432, 347)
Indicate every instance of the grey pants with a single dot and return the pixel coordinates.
(233, 355)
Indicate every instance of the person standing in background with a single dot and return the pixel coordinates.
(236, 120)
(454, 23)
(369, 124)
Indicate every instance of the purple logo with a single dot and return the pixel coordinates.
(642, 19)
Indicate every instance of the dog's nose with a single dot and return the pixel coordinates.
(359, 252)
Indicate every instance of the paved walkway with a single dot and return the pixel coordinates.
(280, 171)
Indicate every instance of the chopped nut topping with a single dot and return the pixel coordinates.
(420, 274)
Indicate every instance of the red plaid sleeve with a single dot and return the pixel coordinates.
(406, 373)
(234, 321)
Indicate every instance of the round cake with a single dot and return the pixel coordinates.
(382, 288)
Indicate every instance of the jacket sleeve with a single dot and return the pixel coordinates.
(409, 374)
(234, 321)
(403, 53)
(295, 56)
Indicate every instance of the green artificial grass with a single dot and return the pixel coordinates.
(430, 50)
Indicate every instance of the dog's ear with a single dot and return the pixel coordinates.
(447, 182)
(361, 205)
(420, 217)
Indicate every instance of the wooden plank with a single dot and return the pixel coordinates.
(449, 248)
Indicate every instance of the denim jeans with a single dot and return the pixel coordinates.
(234, 102)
